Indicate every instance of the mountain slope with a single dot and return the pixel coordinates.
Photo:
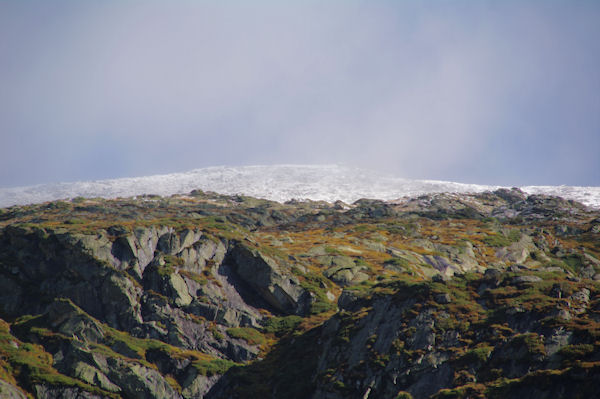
(206, 295)
(278, 183)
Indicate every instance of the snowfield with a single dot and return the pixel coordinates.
(279, 183)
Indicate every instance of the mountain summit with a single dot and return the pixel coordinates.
(277, 183)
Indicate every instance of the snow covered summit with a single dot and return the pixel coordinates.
(279, 183)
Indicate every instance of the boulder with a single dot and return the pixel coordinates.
(346, 275)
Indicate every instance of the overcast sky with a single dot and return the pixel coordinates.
(496, 92)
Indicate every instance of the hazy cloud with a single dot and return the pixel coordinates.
(486, 92)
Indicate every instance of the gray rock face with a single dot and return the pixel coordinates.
(440, 263)
(580, 300)
(266, 276)
(375, 334)
(581, 296)
(424, 336)
(196, 256)
(68, 269)
(347, 274)
(452, 260)
(121, 296)
(140, 382)
(170, 284)
(11, 295)
(526, 279)
(120, 278)
(8, 391)
(197, 385)
(512, 196)
(53, 392)
(133, 252)
(517, 252)
(557, 340)
(93, 376)
(443, 298)
(347, 299)
(69, 320)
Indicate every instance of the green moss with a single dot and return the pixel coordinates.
(361, 228)
(315, 283)
(496, 240)
(280, 326)
(198, 278)
(476, 356)
(248, 334)
(129, 346)
(514, 235)
(41, 375)
(399, 262)
(379, 360)
(574, 261)
(339, 385)
(464, 392)
(26, 319)
(579, 381)
(531, 341)
(171, 260)
(361, 262)
(332, 251)
(165, 270)
(216, 333)
(213, 366)
(576, 351)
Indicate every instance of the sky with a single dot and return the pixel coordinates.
(488, 92)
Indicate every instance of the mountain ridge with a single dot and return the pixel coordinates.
(277, 182)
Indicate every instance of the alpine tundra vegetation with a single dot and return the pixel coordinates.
(493, 295)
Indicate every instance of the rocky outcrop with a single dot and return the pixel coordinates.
(137, 381)
(346, 275)
(167, 282)
(147, 282)
(517, 252)
(270, 279)
(65, 269)
(417, 341)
